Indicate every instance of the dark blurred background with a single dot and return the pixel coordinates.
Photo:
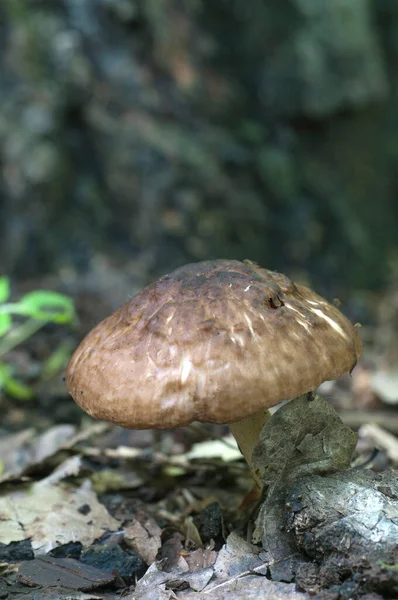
(138, 135)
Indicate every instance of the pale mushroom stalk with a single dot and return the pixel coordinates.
(247, 432)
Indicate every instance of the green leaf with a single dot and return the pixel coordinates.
(5, 324)
(48, 306)
(3, 375)
(387, 566)
(57, 361)
(18, 390)
(12, 386)
(4, 289)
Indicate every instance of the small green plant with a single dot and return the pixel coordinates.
(22, 319)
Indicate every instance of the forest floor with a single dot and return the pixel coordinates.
(90, 511)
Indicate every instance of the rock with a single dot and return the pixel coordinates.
(112, 559)
(353, 512)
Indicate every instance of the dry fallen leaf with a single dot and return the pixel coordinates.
(52, 515)
(143, 536)
(24, 451)
(226, 449)
(250, 586)
(382, 439)
(201, 558)
(314, 440)
(153, 583)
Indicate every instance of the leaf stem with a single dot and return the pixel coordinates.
(19, 334)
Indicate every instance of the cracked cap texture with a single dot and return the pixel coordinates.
(214, 342)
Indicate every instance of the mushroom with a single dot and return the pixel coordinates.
(217, 341)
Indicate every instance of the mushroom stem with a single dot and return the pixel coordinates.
(247, 432)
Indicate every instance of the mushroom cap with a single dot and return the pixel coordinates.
(214, 341)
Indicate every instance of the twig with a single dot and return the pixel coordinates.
(384, 419)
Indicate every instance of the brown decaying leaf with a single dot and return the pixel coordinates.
(47, 571)
(143, 535)
(201, 558)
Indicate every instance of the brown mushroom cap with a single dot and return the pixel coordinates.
(215, 342)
